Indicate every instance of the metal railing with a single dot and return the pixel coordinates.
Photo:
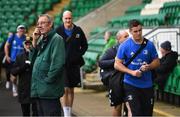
(161, 34)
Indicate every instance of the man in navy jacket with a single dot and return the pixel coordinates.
(75, 46)
(106, 63)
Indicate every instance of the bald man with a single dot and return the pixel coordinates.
(122, 36)
(75, 45)
(106, 63)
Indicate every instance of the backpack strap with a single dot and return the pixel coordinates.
(143, 45)
(13, 37)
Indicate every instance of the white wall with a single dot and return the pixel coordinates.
(162, 34)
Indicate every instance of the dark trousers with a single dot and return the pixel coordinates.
(7, 75)
(8, 70)
(27, 107)
(141, 100)
(48, 107)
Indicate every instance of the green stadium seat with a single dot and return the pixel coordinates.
(15, 12)
(176, 80)
(23, 3)
(55, 1)
(97, 30)
(97, 45)
(134, 10)
(82, 7)
(172, 84)
(90, 61)
(13, 28)
(146, 1)
(31, 19)
(168, 86)
(4, 30)
(147, 20)
(178, 87)
(3, 18)
(14, 2)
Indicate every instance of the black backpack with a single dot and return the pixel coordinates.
(106, 64)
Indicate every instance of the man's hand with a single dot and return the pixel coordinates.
(36, 35)
(137, 73)
(8, 59)
(145, 67)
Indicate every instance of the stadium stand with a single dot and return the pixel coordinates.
(173, 84)
(80, 8)
(171, 93)
(15, 12)
(166, 13)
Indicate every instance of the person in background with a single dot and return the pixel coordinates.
(109, 39)
(107, 62)
(2, 43)
(22, 68)
(47, 57)
(12, 48)
(167, 64)
(75, 45)
(138, 85)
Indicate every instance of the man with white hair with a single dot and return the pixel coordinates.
(47, 57)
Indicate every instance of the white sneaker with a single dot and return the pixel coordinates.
(15, 94)
(14, 90)
(7, 85)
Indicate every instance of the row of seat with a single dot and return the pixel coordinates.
(80, 8)
(131, 13)
(173, 83)
(135, 10)
(170, 7)
(15, 12)
(90, 61)
(162, 18)
(27, 2)
(172, 4)
(146, 20)
(97, 30)
(95, 48)
(146, 1)
(97, 43)
(171, 92)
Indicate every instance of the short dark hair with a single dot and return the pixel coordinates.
(166, 45)
(134, 23)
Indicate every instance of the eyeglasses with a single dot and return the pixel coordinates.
(41, 23)
(67, 18)
(21, 28)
